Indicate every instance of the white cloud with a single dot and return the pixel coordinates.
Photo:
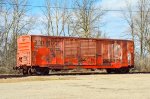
(116, 4)
(115, 24)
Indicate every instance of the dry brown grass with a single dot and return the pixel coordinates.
(142, 64)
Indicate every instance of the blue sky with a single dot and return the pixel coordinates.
(115, 26)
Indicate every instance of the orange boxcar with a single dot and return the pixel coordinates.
(38, 54)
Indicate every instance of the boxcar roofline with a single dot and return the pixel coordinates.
(80, 38)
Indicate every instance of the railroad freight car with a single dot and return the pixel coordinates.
(38, 54)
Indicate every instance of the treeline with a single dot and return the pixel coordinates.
(138, 19)
(55, 20)
(13, 23)
(58, 18)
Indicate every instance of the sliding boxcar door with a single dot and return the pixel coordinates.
(88, 52)
(71, 51)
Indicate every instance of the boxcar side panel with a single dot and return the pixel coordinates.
(47, 51)
(79, 52)
(38, 54)
(24, 51)
(88, 53)
(71, 51)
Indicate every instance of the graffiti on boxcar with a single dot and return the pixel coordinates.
(48, 43)
(117, 51)
(129, 58)
(50, 50)
(112, 52)
(38, 43)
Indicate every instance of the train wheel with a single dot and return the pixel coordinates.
(123, 70)
(46, 71)
(127, 70)
(38, 71)
(109, 71)
(25, 71)
(42, 71)
(30, 71)
(33, 71)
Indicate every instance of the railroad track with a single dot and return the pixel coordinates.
(6, 76)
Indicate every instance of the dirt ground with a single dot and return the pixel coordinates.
(104, 86)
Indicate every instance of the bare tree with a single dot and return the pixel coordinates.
(142, 23)
(139, 23)
(55, 17)
(87, 18)
(15, 22)
(48, 24)
(129, 18)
